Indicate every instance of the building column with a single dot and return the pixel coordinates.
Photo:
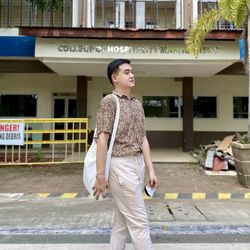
(120, 15)
(140, 15)
(187, 13)
(187, 112)
(84, 13)
(179, 14)
(195, 11)
(91, 14)
(76, 13)
(81, 104)
(81, 97)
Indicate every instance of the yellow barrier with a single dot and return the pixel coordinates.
(48, 141)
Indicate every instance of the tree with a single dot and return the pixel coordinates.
(235, 11)
(48, 5)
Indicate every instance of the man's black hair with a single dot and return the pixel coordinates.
(114, 66)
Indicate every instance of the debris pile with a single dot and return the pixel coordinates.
(218, 155)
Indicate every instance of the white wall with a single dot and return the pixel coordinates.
(42, 84)
(224, 87)
(144, 86)
(96, 88)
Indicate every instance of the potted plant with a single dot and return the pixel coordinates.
(241, 153)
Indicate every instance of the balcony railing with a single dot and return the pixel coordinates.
(204, 5)
(144, 14)
(14, 13)
(127, 14)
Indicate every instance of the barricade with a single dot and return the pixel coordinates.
(46, 141)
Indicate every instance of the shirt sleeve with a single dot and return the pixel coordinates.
(105, 115)
(143, 132)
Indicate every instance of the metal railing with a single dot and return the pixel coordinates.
(160, 14)
(204, 5)
(124, 14)
(14, 13)
(47, 141)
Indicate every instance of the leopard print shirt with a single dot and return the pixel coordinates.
(131, 129)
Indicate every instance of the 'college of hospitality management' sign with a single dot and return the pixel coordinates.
(78, 48)
(131, 49)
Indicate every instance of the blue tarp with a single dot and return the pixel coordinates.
(17, 46)
(242, 44)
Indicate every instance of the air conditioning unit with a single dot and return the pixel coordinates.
(152, 25)
(111, 24)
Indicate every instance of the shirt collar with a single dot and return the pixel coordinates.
(123, 96)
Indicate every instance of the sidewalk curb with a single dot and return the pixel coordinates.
(165, 196)
(166, 229)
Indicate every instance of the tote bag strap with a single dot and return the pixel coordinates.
(117, 116)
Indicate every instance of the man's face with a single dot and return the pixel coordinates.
(124, 77)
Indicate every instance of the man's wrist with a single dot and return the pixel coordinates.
(100, 173)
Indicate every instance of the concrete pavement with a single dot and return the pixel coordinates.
(42, 223)
(86, 215)
(173, 178)
(129, 247)
(44, 206)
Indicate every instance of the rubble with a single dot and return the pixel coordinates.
(218, 154)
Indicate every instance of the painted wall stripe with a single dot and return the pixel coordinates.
(166, 196)
(43, 195)
(247, 195)
(212, 195)
(224, 196)
(237, 196)
(198, 196)
(145, 197)
(171, 196)
(185, 196)
(69, 195)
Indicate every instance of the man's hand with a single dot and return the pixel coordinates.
(152, 179)
(100, 186)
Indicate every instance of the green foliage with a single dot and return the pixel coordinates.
(39, 155)
(202, 155)
(202, 27)
(48, 5)
(228, 9)
(235, 11)
(243, 139)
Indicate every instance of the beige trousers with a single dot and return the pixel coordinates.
(126, 183)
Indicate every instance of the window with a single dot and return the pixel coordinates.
(170, 106)
(204, 107)
(18, 105)
(161, 106)
(206, 5)
(240, 107)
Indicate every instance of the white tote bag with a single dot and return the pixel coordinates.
(89, 169)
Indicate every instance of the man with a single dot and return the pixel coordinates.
(130, 154)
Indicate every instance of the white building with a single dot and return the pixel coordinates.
(187, 101)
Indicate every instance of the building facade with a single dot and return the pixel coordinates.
(53, 64)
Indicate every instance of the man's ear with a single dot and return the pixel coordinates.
(114, 78)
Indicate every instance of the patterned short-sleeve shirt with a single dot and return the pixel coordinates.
(131, 129)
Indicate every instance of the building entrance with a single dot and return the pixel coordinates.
(64, 107)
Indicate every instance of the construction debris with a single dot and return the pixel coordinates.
(218, 154)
